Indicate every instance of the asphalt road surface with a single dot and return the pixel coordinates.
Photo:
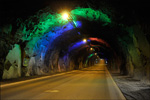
(93, 83)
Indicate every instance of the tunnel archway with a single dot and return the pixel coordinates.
(56, 44)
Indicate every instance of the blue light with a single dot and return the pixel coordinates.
(46, 41)
(88, 40)
(76, 45)
(79, 24)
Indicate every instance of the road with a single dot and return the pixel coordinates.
(93, 83)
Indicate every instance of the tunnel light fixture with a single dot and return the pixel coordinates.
(65, 16)
(91, 49)
(106, 62)
(68, 17)
(85, 40)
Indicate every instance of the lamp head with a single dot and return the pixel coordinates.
(65, 16)
(84, 40)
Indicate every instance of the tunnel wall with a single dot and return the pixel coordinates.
(137, 51)
(132, 47)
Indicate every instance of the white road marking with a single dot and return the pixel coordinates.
(25, 81)
(118, 89)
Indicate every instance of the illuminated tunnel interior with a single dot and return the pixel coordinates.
(37, 38)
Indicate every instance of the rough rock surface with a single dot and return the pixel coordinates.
(44, 36)
(12, 66)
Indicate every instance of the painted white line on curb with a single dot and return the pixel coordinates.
(122, 96)
(44, 77)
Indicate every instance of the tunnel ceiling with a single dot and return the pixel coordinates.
(103, 19)
(39, 29)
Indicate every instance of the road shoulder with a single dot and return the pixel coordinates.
(131, 88)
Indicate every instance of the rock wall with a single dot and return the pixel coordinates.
(49, 39)
(138, 52)
(12, 65)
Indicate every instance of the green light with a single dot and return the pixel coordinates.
(45, 22)
(75, 23)
(92, 15)
(88, 59)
